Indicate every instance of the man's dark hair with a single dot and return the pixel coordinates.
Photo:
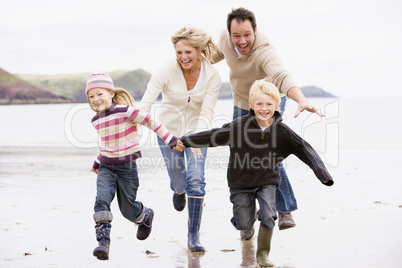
(241, 14)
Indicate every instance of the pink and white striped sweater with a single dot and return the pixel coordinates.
(119, 139)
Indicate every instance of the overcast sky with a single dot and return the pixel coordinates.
(351, 48)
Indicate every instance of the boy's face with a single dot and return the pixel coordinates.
(264, 107)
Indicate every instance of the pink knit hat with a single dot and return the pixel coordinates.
(99, 80)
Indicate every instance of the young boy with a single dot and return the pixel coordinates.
(258, 142)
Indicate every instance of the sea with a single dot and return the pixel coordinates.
(348, 123)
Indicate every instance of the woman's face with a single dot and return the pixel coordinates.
(186, 55)
(100, 99)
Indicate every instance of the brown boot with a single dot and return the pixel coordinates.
(264, 247)
(286, 221)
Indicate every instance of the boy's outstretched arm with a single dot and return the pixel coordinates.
(306, 153)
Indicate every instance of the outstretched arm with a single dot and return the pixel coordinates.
(297, 95)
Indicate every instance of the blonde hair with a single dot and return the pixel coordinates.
(267, 88)
(121, 97)
(197, 38)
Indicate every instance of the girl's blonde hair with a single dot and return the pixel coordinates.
(197, 38)
(267, 88)
(121, 97)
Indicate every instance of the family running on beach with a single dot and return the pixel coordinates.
(258, 139)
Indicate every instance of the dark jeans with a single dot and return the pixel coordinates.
(244, 207)
(120, 178)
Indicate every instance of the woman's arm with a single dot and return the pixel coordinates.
(154, 89)
(209, 100)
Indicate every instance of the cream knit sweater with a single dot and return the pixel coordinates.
(261, 62)
(181, 113)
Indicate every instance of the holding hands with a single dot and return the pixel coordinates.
(180, 148)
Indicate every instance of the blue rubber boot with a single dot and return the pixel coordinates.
(103, 236)
(145, 226)
(195, 206)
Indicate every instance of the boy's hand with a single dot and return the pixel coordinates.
(179, 146)
(95, 171)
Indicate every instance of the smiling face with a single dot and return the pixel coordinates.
(100, 99)
(264, 107)
(187, 55)
(242, 35)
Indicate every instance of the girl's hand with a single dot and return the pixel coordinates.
(197, 153)
(95, 171)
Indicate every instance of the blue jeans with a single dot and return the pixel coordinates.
(120, 178)
(244, 207)
(285, 198)
(184, 179)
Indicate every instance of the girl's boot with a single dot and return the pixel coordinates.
(145, 225)
(264, 247)
(103, 236)
(194, 222)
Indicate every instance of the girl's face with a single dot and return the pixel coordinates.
(100, 99)
(186, 55)
(264, 107)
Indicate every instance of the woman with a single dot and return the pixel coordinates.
(190, 87)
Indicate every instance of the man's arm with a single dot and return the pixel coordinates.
(297, 95)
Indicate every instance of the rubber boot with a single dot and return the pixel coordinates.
(194, 222)
(264, 247)
(145, 225)
(103, 236)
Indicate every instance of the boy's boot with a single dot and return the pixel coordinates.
(103, 236)
(145, 225)
(194, 222)
(264, 247)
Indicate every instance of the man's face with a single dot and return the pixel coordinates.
(242, 35)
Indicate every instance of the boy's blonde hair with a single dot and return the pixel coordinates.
(197, 38)
(265, 87)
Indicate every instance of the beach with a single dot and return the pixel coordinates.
(47, 195)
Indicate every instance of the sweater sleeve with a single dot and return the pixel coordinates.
(154, 89)
(276, 72)
(219, 56)
(210, 138)
(303, 150)
(209, 100)
(140, 117)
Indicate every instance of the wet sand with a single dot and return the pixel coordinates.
(47, 197)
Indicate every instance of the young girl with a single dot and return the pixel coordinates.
(116, 122)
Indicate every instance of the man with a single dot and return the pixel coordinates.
(250, 57)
